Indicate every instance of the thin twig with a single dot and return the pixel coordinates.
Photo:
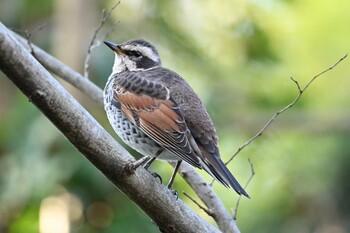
(110, 31)
(81, 85)
(301, 91)
(94, 42)
(199, 205)
(245, 186)
(296, 83)
(28, 34)
(89, 137)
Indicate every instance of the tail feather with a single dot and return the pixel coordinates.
(218, 170)
(213, 165)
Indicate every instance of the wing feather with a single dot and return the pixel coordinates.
(152, 100)
(156, 114)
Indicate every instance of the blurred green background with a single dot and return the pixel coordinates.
(239, 56)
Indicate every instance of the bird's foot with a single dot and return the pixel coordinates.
(157, 176)
(174, 192)
(145, 162)
(131, 167)
(171, 181)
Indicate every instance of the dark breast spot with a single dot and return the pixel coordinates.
(138, 80)
(116, 103)
(144, 82)
(123, 82)
(134, 88)
(127, 85)
(150, 85)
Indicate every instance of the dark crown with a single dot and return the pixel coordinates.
(142, 53)
(140, 42)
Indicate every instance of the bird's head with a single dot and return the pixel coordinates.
(134, 55)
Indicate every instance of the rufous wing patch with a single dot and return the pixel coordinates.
(161, 120)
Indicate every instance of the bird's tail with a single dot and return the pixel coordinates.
(218, 170)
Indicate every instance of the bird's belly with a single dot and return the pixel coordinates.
(167, 156)
(134, 137)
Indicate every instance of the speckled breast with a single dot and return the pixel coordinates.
(126, 130)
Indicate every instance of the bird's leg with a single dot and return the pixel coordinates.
(154, 174)
(145, 161)
(149, 162)
(171, 181)
(140, 162)
(131, 167)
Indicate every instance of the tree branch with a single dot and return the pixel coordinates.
(88, 136)
(198, 204)
(252, 174)
(66, 73)
(206, 193)
(94, 43)
(199, 185)
(273, 118)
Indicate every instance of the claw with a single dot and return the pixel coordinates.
(175, 193)
(134, 165)
(156, 175)
(131, 167)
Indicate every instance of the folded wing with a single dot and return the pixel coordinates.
(152, 109)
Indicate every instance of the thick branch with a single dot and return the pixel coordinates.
(57, 67)
(204, 192)
(82, 130)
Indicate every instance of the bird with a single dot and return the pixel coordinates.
(156, 112)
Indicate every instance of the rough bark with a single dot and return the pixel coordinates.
(86, 134)
(95, 147)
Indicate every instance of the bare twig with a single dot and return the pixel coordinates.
(28, 34)
(296, 83)
(245, 186)
(206, 194)
(199, 205)
(88, 136)
(213, 203)
(110, 31)
(94, 43)
(196, 181)
(273, 118)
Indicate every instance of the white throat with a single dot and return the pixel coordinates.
(119, 65)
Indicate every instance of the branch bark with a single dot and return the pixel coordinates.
(225, 222)
(88, 136)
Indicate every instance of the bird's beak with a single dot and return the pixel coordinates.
(115, 47)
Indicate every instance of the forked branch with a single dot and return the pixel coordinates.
(94, 43)
(204, 191)
(88, 136)
(252, 174)
(273, 118)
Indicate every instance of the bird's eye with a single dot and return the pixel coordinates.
(137, 54)
(133, 53)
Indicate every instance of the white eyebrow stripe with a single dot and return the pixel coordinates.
(148, 52)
